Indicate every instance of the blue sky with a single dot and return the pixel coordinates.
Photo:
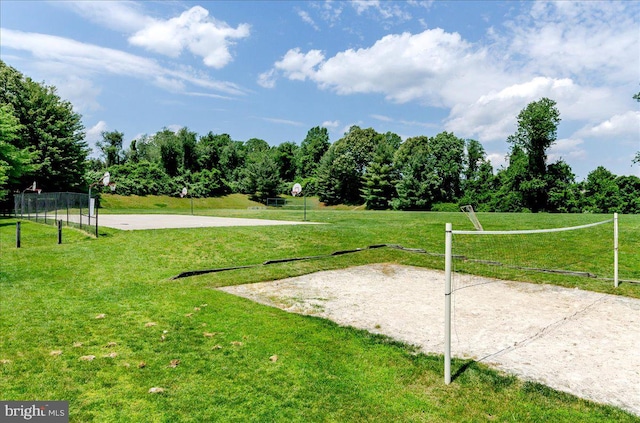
(275, 69)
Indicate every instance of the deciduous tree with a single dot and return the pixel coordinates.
(311, 150)
(537, 131)
(50, 127)
(14, 162)
(111, 147)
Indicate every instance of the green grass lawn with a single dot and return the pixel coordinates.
(51, 295)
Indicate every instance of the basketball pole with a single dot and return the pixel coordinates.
(447, 303)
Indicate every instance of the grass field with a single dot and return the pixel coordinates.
(226, 346)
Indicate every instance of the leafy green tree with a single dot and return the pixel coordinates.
(144, 148)
(629, 192)
(210, 148)
(479, 182)
(50, 127)
(483, 188)
(563, 193)
(171, 151)
(474, 159)
(448, 156)
(602, 193)
(339, 177)
(286, 157)
(208, 183)
(256, 146)
(188, 140)
(111, 147)
(132, 153)
(509, 196)
(232, 161)
(311, 150)
(142, 178)
(14, 162)
(537, 131)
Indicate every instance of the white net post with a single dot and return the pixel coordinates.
(615, 250)
(447, 303)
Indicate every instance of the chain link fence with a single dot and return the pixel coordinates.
(73, 209)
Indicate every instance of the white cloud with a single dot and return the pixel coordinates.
(94, 134)
(330, 124)
(403, 67)
(267, 79)
(283, 121)
(498, 160)
(493, 116)
(195, 31)
(65, 57)
(385, 10)
(298, 66)
(80, 92)
(347, 127)
(308, 19)
(118, 15)
(566, 148)
(627, 124)
(382, 118)
(175, 128)
(576, 53)
(593, 39)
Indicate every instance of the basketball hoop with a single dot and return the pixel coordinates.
(297, 189)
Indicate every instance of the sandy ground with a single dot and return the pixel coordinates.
(130, 222)
(581, 342)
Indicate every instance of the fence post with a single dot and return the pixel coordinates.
(17, 234)
(59, 231)
(96, 205)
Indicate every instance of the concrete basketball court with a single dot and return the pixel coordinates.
(132, 222)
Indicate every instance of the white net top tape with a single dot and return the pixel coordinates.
(530, 231)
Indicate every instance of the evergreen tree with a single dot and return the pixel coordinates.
(417, 188)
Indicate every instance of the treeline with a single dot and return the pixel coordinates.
(41, 135)
(364, 167)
